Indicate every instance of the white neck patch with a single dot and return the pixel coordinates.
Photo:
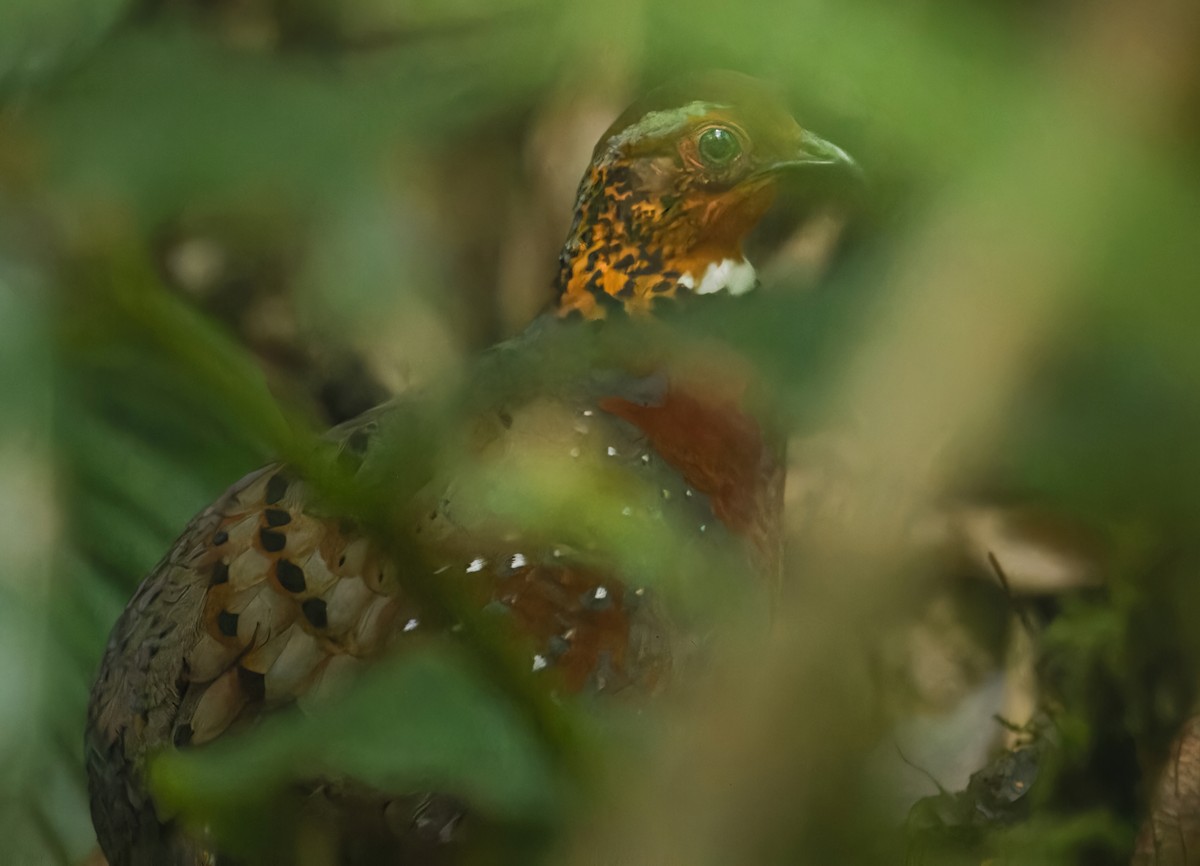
(737, 276)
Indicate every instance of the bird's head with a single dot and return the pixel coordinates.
(674, 187)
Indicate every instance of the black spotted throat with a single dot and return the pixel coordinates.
(265, 599)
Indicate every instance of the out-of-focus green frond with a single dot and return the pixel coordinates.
(40, 38)
(425, 721)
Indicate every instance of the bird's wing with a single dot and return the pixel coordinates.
(266, 599)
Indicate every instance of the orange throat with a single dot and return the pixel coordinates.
(626, 250)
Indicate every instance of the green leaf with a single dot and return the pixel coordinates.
(40, 37)
(43, 816)
(417, 723)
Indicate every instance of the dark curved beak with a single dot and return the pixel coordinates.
(814, 174)
(815, 151)
(819, 168)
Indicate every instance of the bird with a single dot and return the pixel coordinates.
(268, 596)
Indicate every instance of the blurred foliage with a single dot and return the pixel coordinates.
(226, 225)
(470, 743)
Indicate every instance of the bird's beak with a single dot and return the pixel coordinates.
(815, 173)
(814, 152)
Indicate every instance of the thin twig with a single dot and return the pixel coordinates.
(1018, 608)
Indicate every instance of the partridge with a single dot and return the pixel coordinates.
(268, 595)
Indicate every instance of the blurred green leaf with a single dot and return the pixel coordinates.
(42, 688)
(134, 410)
(423, 722)
(39, 38)
(163, 118)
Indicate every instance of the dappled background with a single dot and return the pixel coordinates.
(226, 225)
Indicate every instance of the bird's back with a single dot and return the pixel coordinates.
(269, 599)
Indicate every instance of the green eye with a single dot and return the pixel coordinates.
(718, 146)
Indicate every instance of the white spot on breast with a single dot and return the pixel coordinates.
(411, 624)
(539, 662)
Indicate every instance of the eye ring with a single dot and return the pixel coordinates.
(718, 147)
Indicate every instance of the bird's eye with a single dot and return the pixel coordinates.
(718, 146)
